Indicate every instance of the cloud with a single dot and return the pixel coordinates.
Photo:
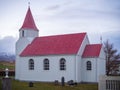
(53, 7)
(114, 38)
(57, 5)
(7, 44)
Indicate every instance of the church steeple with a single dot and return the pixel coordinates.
(27, 33)
(28, 29)
(29, 21)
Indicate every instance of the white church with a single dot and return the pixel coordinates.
(50, 58)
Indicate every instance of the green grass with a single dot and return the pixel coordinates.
(18, 85)
(10, 66)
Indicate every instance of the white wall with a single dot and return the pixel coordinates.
(28, 33)
(17, 68)
(83, 45)
(89, 75)
(98, 68)
(21, 44)
(101, 63)
(38, 74)
(102, 53)
(78, 59)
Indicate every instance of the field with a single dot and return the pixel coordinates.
(17, 85)
(5, 64)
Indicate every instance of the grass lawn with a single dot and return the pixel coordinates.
(18, 85)
(10, 66)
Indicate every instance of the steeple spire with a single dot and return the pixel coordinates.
(29, 21)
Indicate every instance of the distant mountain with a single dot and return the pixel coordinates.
(7, 56)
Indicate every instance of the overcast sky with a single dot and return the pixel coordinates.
(96, 17)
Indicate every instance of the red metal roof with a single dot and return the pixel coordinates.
(92, 50)
(51, 45)
(29, 21)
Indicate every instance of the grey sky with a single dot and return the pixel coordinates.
(96, 17)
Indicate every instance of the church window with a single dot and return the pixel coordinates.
(62, 64)
(31, 64)
(88, 65)
(46, 64)
(23, 33)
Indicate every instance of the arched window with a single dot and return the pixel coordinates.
(62, 64)
(31, 64)
(46, 64)
(88, 65)
(23, 33)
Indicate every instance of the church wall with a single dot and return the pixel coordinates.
(25, 38)
(98, 68)
(102, 53)
(89, 75)
(101, 67)
(17, 68)
(101, 63)
(83, 45)
(20, 46)
(28, 33)
(54, 73)
(79, 59)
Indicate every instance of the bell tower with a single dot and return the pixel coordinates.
(27, 33)
(28, 28)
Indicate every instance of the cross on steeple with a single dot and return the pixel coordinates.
(28, 4)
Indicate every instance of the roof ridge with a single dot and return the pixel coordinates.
(63, 34)
(95, 44)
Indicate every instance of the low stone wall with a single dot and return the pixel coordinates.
(109, 83)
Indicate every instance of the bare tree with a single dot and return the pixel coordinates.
(112, 57)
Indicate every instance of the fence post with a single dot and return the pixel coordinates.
(109, 83)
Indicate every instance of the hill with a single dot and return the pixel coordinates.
(7, 56)
(7, 64)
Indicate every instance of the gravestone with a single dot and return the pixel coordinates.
(30, 84)
(56, 82)
(6, 83)
(63, 81)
